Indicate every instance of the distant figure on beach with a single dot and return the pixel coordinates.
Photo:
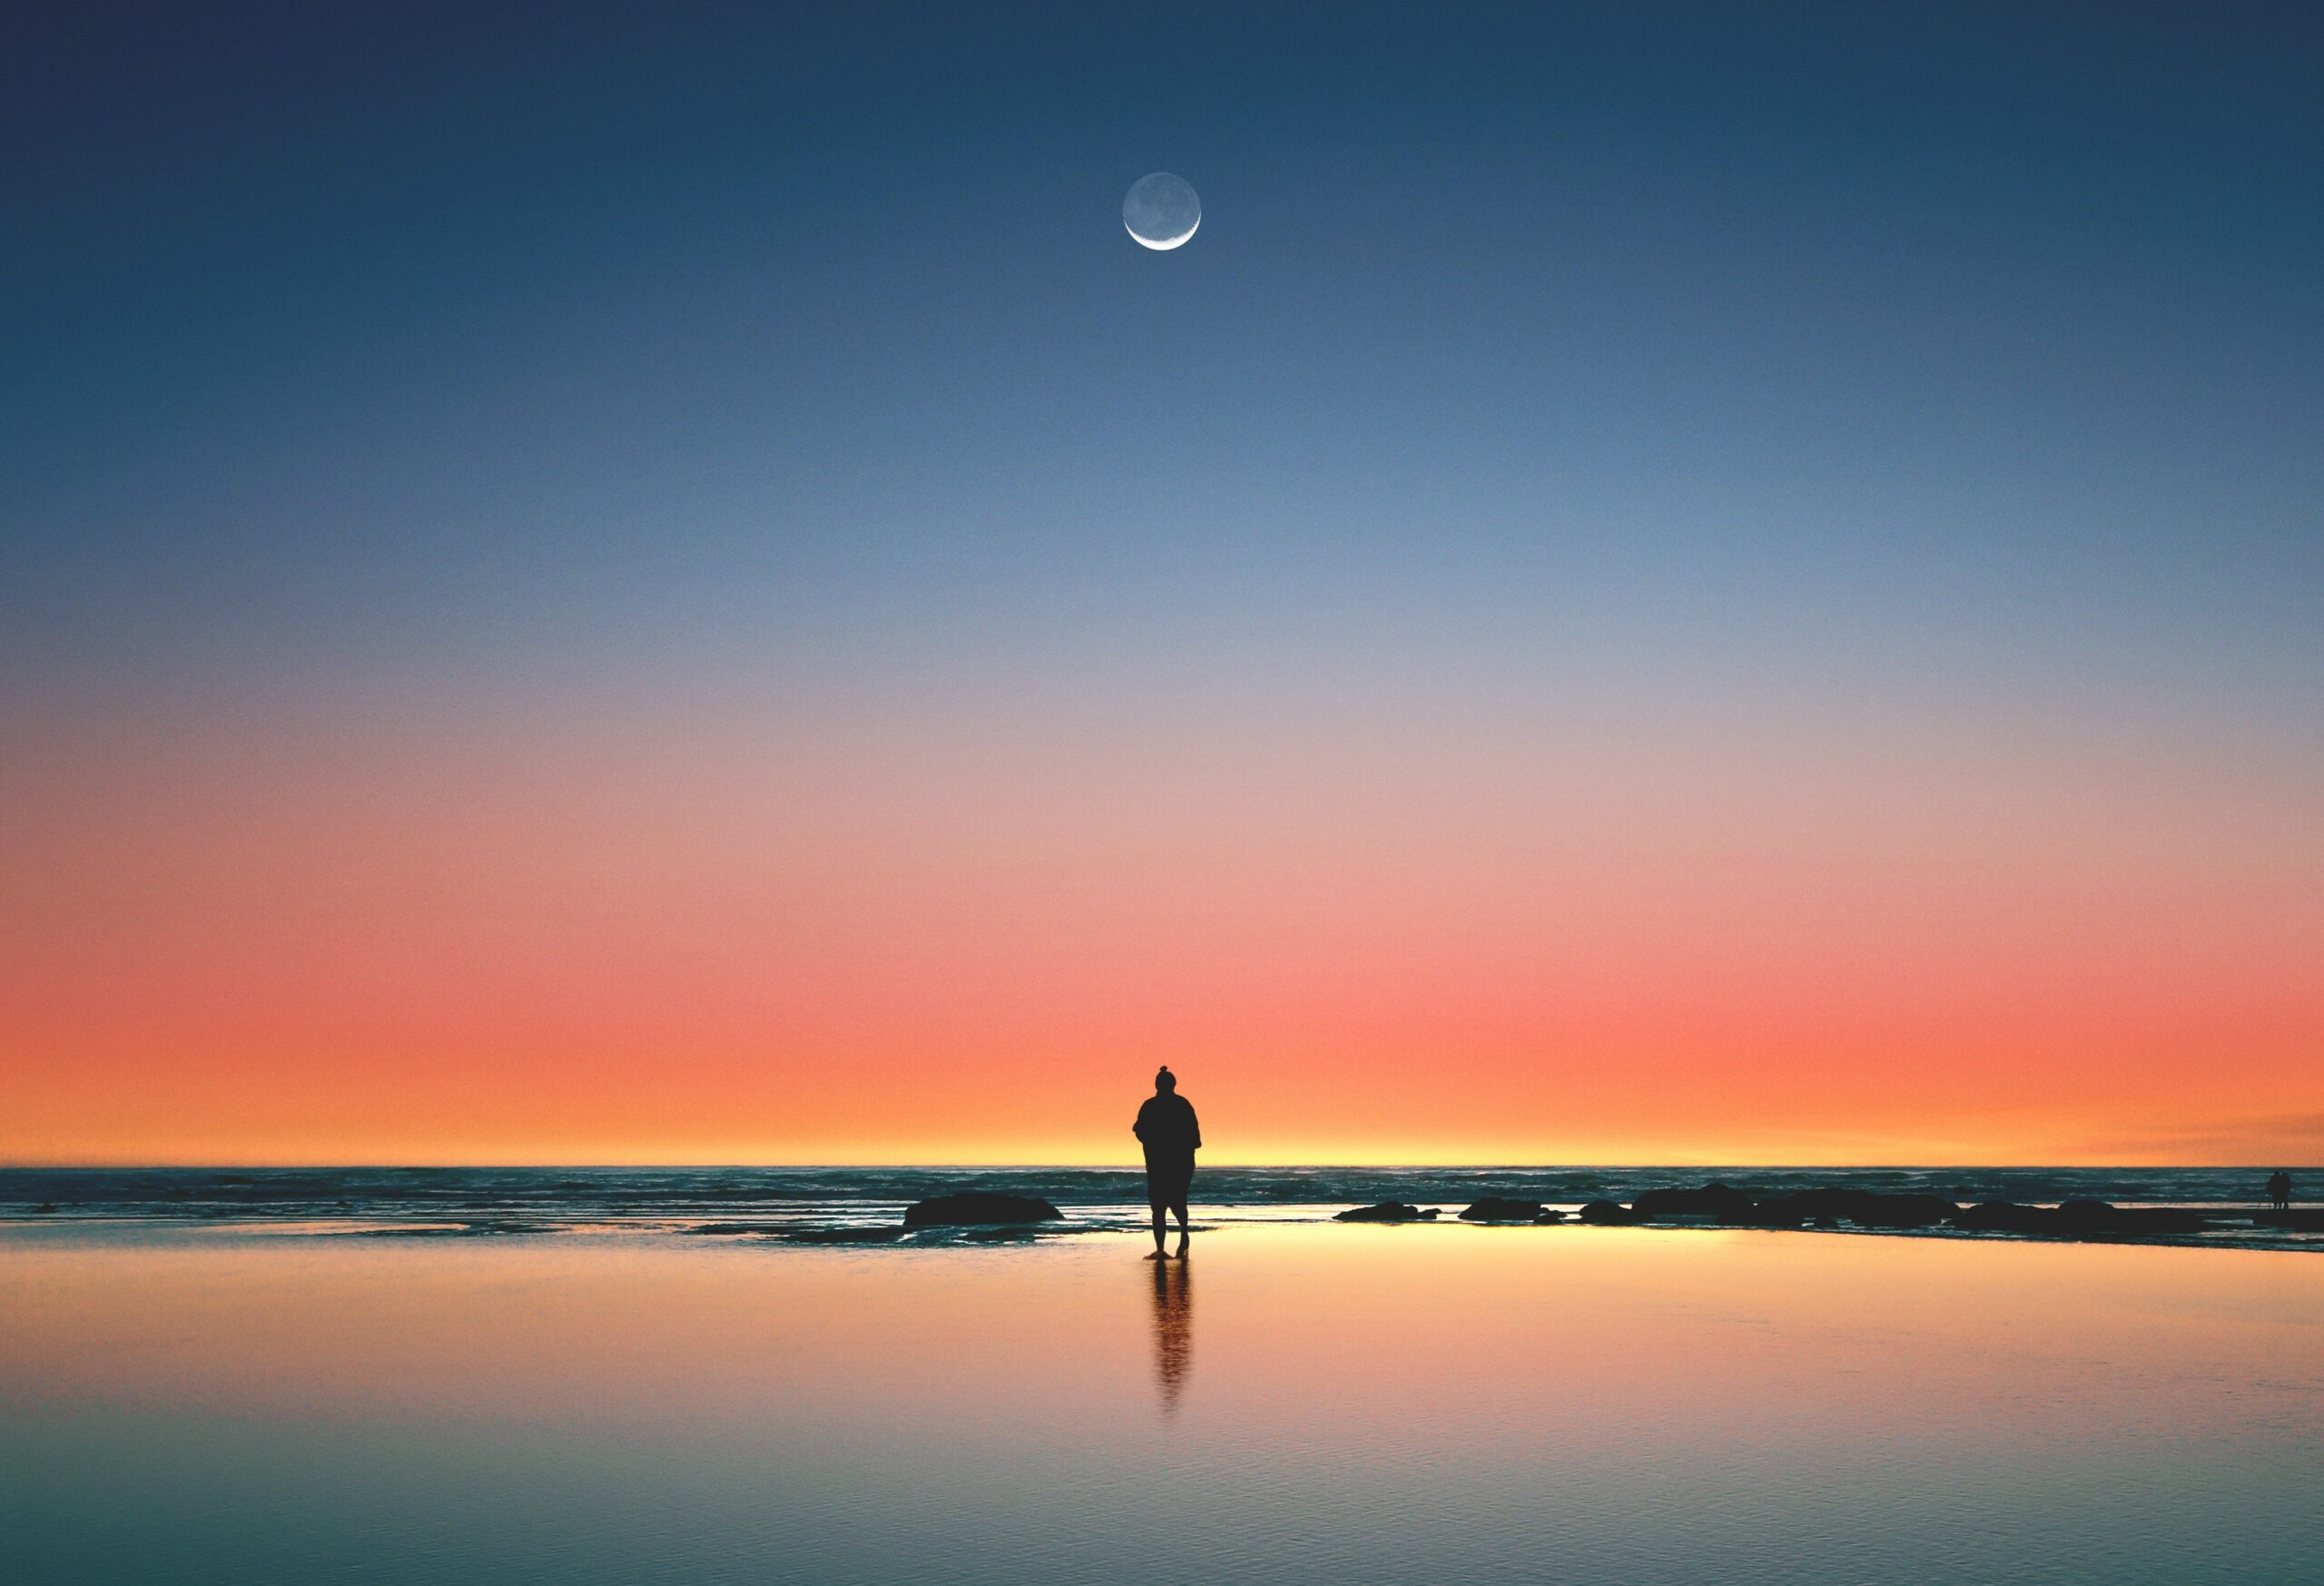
(2279, 1191)
(1166, 1126)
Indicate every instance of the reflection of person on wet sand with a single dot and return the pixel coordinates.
(1174, 1318)
(2280, 1191)
(1167, 1128)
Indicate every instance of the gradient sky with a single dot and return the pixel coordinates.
(1656, 584)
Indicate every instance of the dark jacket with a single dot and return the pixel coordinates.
(1169, 1130)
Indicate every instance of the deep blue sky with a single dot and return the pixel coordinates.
(335, 337)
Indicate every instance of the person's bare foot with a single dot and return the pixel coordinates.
(1158, 1256)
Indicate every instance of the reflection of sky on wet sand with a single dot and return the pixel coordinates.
(1420, 1404)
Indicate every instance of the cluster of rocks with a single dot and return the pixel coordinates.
(1709, 1205)
(1493, 1208)
(2078, 1219)
(1725, 1205)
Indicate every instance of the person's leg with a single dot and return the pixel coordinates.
(1161, 1222)
(1179, 1207)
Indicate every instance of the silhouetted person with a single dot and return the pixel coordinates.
(2280, 1191)
(1166, 1126)
(1174, 1327)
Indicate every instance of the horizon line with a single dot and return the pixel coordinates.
(1133, 1167)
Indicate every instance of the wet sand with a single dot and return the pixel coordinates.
(1296, 1403)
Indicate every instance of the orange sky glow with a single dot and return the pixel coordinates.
(656, 937)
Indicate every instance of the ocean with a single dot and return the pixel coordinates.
(811, 1203)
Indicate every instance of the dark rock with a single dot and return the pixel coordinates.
(977, 1208)
(1607, 1213)
(1386, 1211)
(1721, 1203)
(2086, 1217)
(1550, 1214)
(2165, 1219)
(1494, 1208)
(2303, 1221)
(2003, 1216)
(2080, 1219)
(46, 1207)
(1903, 1211)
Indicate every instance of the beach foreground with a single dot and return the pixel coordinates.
(1295, 1402)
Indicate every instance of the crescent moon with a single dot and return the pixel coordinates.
(1161, 212)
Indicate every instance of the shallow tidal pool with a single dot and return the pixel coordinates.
(1294, 1404)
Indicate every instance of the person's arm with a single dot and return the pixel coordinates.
(1194, 1127)
(1138, 1128)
